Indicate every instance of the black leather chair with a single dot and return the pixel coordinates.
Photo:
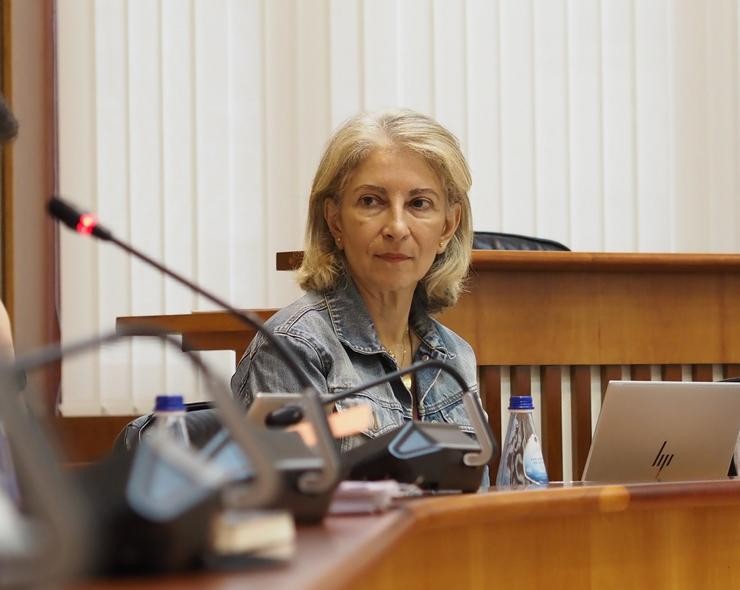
(492, 240)
(201, 420)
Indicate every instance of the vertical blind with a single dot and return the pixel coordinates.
(193, 128)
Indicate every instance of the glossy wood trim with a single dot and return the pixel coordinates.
(576, 261)
(198, 321)
(603, 261)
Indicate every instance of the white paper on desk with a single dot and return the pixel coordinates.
(366, 497)
(259, 533)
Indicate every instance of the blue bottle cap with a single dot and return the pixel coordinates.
(169, 403)
(521, 402)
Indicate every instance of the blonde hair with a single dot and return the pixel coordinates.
(323, 262)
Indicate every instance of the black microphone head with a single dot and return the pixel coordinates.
(82, 223)
(64, 212)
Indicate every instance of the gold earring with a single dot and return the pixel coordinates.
(441, 244)
(339, 242)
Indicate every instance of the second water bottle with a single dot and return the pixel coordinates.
(521, 455)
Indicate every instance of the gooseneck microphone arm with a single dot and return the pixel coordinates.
(314, 482)
(265, 486)
(474, 410)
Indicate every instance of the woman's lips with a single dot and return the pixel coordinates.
(390, 257)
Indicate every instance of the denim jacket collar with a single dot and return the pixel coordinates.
(355, 328)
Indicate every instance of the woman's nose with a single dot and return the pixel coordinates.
(396, 225)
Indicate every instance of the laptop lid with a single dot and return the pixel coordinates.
(664, 431)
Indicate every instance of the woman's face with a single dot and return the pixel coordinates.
(392, 220)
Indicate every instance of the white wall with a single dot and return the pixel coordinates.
(193, 128)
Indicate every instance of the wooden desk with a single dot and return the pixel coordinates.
(637, 536)
(564, 323)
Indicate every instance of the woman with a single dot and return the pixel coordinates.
(388, 243)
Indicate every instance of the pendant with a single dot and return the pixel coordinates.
(407, 381)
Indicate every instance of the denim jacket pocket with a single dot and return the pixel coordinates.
(385, 418)
(453, 413)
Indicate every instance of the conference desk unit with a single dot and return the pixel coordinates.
(667, 535)
(560, 325)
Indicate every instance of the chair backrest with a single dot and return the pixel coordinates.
(492, 240)
(201, 420)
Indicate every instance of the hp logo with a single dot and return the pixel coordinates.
(662, 460)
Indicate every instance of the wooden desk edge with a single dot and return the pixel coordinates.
(342, 570)
(419, 515)
(570, 498)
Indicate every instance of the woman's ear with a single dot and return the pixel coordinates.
(333, 220)
(452, 221)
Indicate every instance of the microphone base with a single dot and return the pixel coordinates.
(428, 455)
(292, 459)
(127, 541)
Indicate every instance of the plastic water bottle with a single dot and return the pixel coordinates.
(521, 457)
(169, 411)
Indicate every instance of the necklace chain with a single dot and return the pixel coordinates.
(406, 379)
(404, 350)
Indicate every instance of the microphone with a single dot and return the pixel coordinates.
(151, 510)
(432, 455)
(309, 489)
(83, 223)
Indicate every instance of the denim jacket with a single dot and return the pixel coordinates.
(335, 339)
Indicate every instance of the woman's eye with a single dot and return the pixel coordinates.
(421, 204)
(368, 200)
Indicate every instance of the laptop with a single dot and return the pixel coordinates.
(664, 431)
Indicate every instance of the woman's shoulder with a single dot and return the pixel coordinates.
(305, 314)
(302, 325)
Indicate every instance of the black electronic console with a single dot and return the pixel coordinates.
(428, 455)
(431, 455)
(312, 488)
